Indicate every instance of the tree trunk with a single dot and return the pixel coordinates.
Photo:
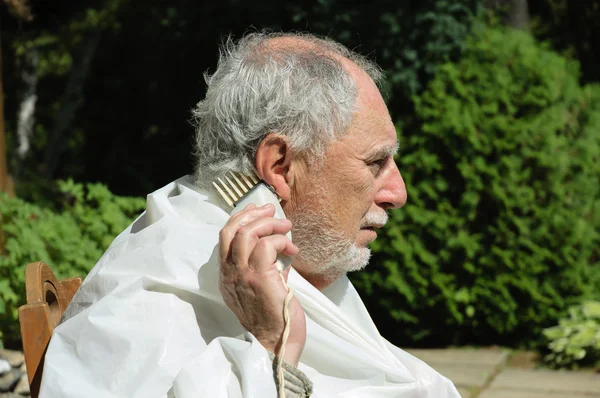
(518, 15)
(515, 12)
(26, 117)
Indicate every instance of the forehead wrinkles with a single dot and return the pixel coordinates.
(376, 126)
(370, 120)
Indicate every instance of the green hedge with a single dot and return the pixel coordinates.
(501, 230)
(71, 240)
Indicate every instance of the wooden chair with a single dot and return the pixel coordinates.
(47, 299)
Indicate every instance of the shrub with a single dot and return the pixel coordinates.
(501, 230)
(71, 240)
(575, 341)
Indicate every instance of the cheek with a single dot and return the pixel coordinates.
(348, 194)
(359, 192)
(357, 204)
(358, 182)
(366, 192)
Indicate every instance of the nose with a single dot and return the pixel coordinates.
(392, 192)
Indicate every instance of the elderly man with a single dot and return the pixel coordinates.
(187, 302)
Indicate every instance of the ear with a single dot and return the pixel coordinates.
(274, 164)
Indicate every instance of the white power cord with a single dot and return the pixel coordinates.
(286, 333)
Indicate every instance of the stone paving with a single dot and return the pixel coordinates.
(484, 373)
(13, 375)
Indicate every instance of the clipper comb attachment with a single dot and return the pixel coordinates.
(235, 186)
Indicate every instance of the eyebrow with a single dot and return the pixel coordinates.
(385, 151)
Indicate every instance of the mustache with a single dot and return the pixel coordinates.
(375, 218)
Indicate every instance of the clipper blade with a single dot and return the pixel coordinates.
(235, 186)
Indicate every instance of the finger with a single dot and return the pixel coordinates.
(248, 236)
(251, 211)
(265, 252)
(244, 217)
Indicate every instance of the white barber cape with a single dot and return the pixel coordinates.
(149, 321)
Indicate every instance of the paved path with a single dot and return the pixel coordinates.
(483, 373)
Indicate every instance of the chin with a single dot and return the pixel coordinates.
(357, 258)
(354, 258)
(361, 259)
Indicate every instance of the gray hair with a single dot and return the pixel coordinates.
(301, 91)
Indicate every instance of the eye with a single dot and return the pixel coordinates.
(377, 165)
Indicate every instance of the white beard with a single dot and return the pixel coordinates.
(329, 253)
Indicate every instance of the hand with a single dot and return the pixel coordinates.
(250, 283)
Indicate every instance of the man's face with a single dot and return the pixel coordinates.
(335, 208)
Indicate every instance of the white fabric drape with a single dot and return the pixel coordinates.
(149, 321)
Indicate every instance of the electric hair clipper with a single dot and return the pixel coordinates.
(240, 190)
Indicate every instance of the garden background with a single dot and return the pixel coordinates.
(497, 108)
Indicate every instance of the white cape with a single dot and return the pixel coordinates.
(149, 321)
